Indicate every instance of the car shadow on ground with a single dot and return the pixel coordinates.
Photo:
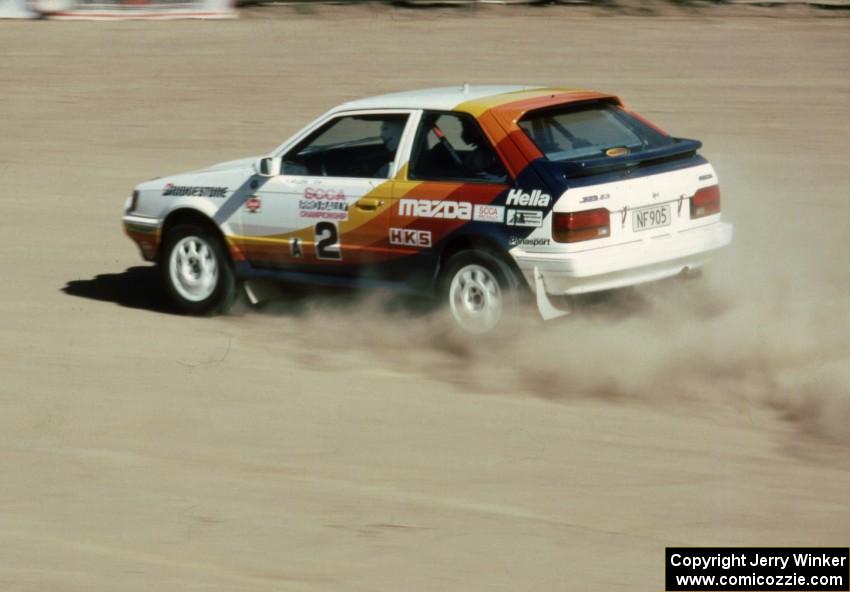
(136, 287)
(141, 287)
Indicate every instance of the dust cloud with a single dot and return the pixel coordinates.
(765, 326)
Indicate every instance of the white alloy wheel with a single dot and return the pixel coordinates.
(193, 268)
(475, 299)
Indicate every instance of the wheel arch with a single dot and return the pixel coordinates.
(477, 242)
(190, 216)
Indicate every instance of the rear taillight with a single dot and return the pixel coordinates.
(705, 202)
(572, 227)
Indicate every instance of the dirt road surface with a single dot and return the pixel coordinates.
(342, 447)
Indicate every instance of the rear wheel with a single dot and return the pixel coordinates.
(196, 271)
(480, 291)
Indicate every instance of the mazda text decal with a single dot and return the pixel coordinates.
(427, 208)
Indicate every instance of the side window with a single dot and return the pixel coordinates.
(452, 147)
(350, 146)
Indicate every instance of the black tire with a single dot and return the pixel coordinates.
(479, 292)
(196, 271)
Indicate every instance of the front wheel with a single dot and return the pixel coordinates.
(196, 271)
(480, 291)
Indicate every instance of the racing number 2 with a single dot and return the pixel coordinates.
(327, 241)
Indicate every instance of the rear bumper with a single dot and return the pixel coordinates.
(619, 266)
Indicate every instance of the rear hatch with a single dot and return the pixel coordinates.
(620, 178)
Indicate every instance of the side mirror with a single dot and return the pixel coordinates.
(268, 166)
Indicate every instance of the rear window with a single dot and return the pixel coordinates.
(589, 131)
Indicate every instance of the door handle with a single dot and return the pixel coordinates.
(369, 204)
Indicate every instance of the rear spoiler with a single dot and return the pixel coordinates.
(680, 149)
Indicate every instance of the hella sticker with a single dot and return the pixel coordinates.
(535, 199)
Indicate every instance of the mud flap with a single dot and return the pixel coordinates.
(690, 273)
(260, 291)
(548, 311)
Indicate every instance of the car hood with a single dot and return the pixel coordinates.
(231, 173)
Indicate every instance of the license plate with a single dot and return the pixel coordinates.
(651, 217)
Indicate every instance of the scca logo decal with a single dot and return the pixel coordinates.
(489, 213)
(426, 208)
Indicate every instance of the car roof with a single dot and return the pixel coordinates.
(461, 97)
(443, 98)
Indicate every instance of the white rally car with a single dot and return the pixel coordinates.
(470, 194)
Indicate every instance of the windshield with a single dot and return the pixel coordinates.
(589, 131)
